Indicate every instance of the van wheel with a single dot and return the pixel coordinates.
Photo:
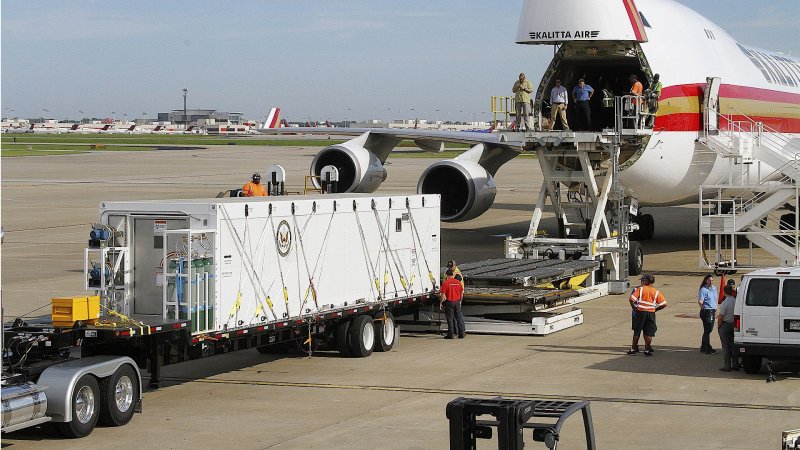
(751, 364)
(385, 335)
(361, 336)
(635, 258)
(85, 397)
(119, 394)
(342, 343)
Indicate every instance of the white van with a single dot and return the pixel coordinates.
(767, 316)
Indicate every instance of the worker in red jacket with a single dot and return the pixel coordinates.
(452, 292)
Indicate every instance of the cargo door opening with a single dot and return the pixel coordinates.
(603, 65)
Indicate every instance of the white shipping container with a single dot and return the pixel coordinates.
(241, 262)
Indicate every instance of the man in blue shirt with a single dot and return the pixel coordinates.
(581, 94)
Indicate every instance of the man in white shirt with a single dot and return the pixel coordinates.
(558, 105)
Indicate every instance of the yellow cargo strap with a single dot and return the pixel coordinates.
(378, 284)
(236, 305)
(259, 310)
(403, 282)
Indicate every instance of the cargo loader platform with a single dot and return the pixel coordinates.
(518, 297)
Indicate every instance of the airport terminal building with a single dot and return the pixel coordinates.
(201, 117)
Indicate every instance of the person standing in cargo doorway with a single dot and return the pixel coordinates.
(582, 94)
(451, 294)
(254, 188)
(645, 300)
(558, 105)
(522, 101)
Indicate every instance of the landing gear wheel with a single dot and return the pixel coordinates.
(649, 227)
(118, 396)
(342, 343)
(384, 332)
(361, 336)
(85, 396)
(751, 364)
(635, 258)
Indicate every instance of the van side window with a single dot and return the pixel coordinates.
(791, 293)
(762, 292)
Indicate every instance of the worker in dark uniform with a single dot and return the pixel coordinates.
(254, 188)
(654, 93)
(451, 294)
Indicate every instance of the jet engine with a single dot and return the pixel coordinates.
(359, 169)
(466, 188)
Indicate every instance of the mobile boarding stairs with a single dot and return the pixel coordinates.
(749, 220)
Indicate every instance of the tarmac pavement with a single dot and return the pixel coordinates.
(675, 399)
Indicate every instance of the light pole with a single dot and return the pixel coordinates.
(113, 116)
(185, 119)
(348, 118)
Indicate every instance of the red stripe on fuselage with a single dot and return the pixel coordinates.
(632, 15)
(693, 121)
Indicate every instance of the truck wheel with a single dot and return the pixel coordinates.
(118, 396)
(361, 336)
(342, 343)
(384, 332)
(751, 364)
(85, 396)
(635, 258)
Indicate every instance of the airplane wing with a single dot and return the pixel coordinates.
(465, 183)
(381, 141)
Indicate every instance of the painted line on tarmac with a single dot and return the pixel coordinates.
(456, 392)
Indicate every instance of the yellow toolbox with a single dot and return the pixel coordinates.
(68, 310)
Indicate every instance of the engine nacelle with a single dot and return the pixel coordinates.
(466, 188)
(359, 169)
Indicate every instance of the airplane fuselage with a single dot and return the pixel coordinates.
(685, 48)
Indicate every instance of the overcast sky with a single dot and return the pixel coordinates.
(323, 59)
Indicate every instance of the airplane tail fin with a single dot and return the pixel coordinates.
(284, 124)
(31, 128)
(328, 124)
(105, 127)
(273, 119)
(157, 128)
(131, 128)
(491, 128)
(189, 130)
(74, 126)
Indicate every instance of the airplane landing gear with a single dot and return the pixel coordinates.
(646, 229)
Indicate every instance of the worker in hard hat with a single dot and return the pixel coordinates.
(254, 188)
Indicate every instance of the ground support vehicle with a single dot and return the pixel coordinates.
(767, 317)
(187, 279)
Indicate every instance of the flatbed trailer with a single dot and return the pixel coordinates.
(89, 371)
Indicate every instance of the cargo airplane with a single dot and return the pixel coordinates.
(606, 40)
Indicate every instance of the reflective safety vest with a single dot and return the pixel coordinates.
(254, 190)
(647, 298)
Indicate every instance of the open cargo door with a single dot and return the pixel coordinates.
(711, 105)
(557, 21)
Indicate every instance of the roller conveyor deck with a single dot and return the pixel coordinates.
(523, 272)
